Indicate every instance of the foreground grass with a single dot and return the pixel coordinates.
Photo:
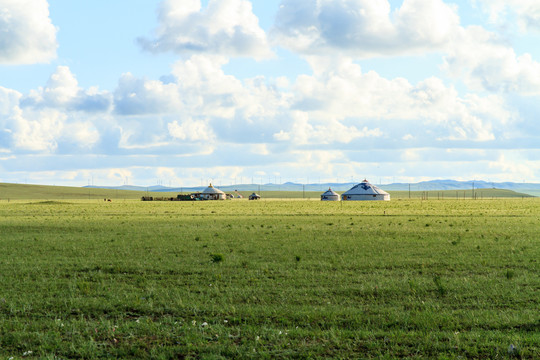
(276, 279)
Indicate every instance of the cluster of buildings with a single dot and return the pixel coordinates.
(212, 193)
(362, 191)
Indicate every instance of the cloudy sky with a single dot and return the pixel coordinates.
(182, 92)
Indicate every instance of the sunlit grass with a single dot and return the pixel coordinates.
(277, 279)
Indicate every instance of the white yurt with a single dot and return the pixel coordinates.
(211, 193)
(365, 191)
(330, 195)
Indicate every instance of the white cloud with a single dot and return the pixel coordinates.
(191, 130)
(9, 100)
(484, 61)
(224, 27)
(47, 129)
(408, 137)
(40, 133)
(303, 131)
(205, 87)
(49, 118)
(260, 149)
(27, 35)
(233, 107)
(514, 167)
(81, 134)
(526, 11)
(120, 174)
(364, 28)
(62, 91)
(340, 92)
(135, 96)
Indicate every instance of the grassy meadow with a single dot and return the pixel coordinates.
(242, 279)
(47, 192)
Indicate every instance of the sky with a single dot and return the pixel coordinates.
(186, 92)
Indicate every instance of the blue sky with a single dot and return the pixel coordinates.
(185, 92)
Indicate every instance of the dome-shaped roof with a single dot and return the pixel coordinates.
(330, 192)
(212, 190)
(365, 188)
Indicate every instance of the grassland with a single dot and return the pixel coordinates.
(270, 279)
(45, 192)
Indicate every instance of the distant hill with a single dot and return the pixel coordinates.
(47, 192)
(460, 185)
(434, 185)
(290, 190)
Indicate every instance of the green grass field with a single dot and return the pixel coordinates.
(443, 279)
(45, 192)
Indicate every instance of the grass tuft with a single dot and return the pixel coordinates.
(441, 289)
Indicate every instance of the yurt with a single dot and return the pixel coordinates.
(365, 191)
(211, 193)
(330, 195)
(254, 196)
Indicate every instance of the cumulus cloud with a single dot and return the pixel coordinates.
(527, 12)
(9, 100)
(304, 131)
(82, 134)
(46, 130)
(339, 91)
(224, 27)
(135, 96)
(27, 34)
(40, 133)
(232, 106)
(364, 28)
(514, 165)
(191, 130)
(51, 117)
(485, 62)
(62, 91)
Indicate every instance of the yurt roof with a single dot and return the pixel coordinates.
(365, 188)
(330, 192)
(212, 190)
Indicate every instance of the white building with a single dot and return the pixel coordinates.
(330, 195)
(365, 191)
(211, 193)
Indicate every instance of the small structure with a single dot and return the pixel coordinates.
(254, 196)
(330, 195)
(184, 197)
(365, 191)
(210, 193)
(238, 195)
